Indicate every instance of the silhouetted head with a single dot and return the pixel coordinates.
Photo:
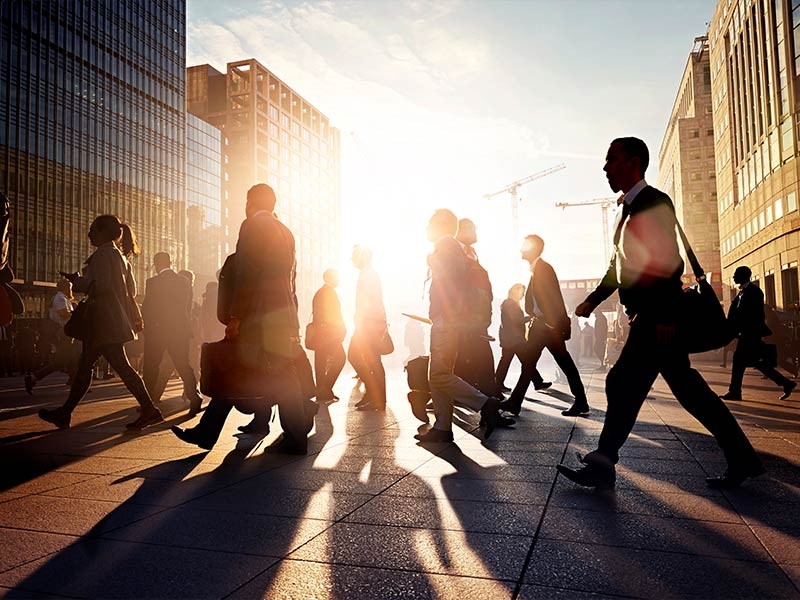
(104, 229)
(187, 275)
(65, 287)
(443, 223)
(212, 287)
(331, 277)
(362, 257)
(742, 275)
(532, 247)
(626, 162)
(260, 197)
(467, 233)
(516, 292)
(127, 242)
(161, 261)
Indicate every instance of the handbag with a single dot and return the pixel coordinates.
(702, 325)
(417, 374)
(312, 336)
(385, 345)
(80, 321)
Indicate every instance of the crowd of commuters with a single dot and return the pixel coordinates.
(249, 318)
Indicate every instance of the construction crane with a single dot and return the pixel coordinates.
(604, 204)
(513, 189)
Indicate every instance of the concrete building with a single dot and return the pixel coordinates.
(755, 88)
(274, 136)
(92, 102)
(686, 166)
(205, 238)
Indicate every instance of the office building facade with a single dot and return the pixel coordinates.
(755, 88)
(275, 136)
(686, 164)
(91, 122)
(204, 231)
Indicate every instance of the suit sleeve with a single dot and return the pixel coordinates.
(606, 287)
(147, 303)
(246, 271)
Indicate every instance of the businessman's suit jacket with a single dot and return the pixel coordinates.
(543, 298)
(746, 314)
(167, 305)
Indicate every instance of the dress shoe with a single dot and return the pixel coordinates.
(505, 389)
(258, 425)
(419, 401)
(29, 383)
(311, 410)
(787, 390)
(149, 416)
(435, 436)
(510, 406)
(190, 436)
(735, 476)
(578, 409)
(597, 472)
(491, 419)
(731, 396)
(543, 386)
(195, 406)
(57, 417)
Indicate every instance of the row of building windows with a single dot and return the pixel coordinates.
(771, 213)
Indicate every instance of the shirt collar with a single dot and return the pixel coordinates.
(535, 262)
(634, 191)
(165, 269)
(261, 212)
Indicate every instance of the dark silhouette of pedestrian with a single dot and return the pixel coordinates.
(475, 362)
(646, 270)
(512, 338)
(747, 322)
(59, 313)
(168, 329)
(550, 328)
(448, 311)
(110, 287)
(262, 325)
(329, 357)
(600, 336)
(370, 333)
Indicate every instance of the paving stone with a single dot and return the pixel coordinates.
(651, 574)
(112, 569)
(301, 579)
(724, 540)
(260, 497)
(19, 546)
(783, 544)
(429, 513)
(436, 551)
(264, 535)
(465, 489)
(101, 465)
(69, 516)
(540, 592)
(437, 468)
(340, 481)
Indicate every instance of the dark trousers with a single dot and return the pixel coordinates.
(365, 357)
(284, 390)
(178, 350)
(630, 379)
(503, 365)
(115, 355)
(540, 337)
(329, 361)
(475, 362)
(63, 360)
(746, 355)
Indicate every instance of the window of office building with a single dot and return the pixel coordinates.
(778, 208)
(769, 289)
(791, 202)
(791, 289)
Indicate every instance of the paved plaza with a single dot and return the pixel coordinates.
(94, 512)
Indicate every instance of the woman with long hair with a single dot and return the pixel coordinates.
(110, 321)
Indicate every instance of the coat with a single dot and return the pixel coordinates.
(167, 306)
(543, 298)
(109, 284)
(512, 324)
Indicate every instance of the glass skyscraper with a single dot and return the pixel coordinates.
(92, 121)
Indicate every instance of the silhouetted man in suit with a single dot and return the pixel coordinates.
(475, 363)
(263, 322)
(646, 270)
(168, 328)
(550, 328)
(748, 323)
(449, 286)
(329, 357)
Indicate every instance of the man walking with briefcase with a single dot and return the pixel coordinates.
(748, 325)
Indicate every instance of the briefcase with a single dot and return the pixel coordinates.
(417, 370)
(230, 369)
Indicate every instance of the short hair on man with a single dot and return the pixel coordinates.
(742, 273)
(330, 275)
(445, 220)
(262, 197)
(633, 147)
(536, 243)
(162, 258)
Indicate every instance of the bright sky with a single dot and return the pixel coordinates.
(441, 102)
